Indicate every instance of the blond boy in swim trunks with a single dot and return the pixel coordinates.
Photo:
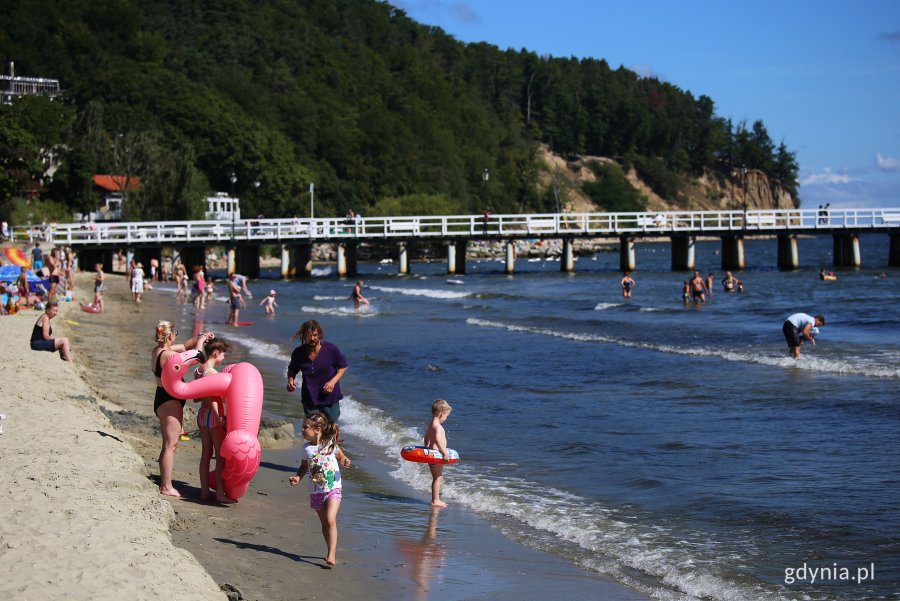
(436, 438)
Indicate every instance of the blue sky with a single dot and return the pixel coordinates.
(823, 76)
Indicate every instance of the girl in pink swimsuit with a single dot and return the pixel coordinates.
(211, 421)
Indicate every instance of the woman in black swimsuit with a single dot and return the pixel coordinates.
(170, 411)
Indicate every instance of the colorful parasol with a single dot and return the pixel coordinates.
(17, 257)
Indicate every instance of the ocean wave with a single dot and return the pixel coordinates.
(263, 348)
(341, 311)
(319, 272)
(650, 558)
(320, 297)
(604, 306)
(426, 292)
(840, 367)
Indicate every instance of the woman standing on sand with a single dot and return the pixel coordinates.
(170, 411)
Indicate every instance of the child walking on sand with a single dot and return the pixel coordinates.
(323, 460)
(269, 303)
(99, 287)
(436, 438)
(211, 421)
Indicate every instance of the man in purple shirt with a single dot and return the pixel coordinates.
(322, 366)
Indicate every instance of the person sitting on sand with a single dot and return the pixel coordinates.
(357, 297)
(211, 422)
(23, 287)
(42, 335)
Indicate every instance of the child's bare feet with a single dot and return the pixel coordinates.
(331, 562)
(169, 492)
(438, 503)
(225, 500)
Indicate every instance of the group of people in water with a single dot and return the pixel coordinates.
(696, 289)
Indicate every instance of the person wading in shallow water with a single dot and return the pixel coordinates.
(799, 327)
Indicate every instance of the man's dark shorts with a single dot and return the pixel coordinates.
(791, 334)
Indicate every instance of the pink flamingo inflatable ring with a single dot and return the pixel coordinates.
(241, 387)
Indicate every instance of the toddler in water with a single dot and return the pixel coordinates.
(269, 303)
(436, 438)
(323, 460)
(211, 421)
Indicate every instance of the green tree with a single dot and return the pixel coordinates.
(612, 190)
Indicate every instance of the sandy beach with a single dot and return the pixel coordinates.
(81, 520)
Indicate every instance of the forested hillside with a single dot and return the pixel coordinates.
(382, 113)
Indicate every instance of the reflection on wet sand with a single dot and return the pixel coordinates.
(424, 556)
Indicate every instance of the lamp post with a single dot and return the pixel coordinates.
(233, 179)
(256, 185)
(744, 182)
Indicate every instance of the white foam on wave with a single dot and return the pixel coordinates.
(615, 544)
(263, 348)
(318, 272)
(604, 306)
(320, 297)
(341, 311)
(806, 362)
(426, 292)
(650, 309)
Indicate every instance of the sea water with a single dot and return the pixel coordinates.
(675, 448)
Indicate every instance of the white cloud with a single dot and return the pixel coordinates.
(849, 194)
(887, 163)
(825, 178)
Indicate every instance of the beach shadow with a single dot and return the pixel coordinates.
(187, 491)
(106, 434)
(377, 496)
(277, 467)
(275, 551)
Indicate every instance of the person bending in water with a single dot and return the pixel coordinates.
(798, 327)
(357, 297)
(436, 438)
(627, 284)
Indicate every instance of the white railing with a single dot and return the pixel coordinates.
(543, 225)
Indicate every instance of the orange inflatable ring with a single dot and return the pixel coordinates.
(426, 455)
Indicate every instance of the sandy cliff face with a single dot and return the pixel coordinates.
(711, 192)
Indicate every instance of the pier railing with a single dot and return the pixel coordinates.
(539, 225)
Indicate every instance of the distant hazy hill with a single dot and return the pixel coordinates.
(382, 113)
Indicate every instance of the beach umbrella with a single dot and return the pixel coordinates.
(10, 273)
(17, 257)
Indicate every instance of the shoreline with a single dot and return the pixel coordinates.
(269, 546)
